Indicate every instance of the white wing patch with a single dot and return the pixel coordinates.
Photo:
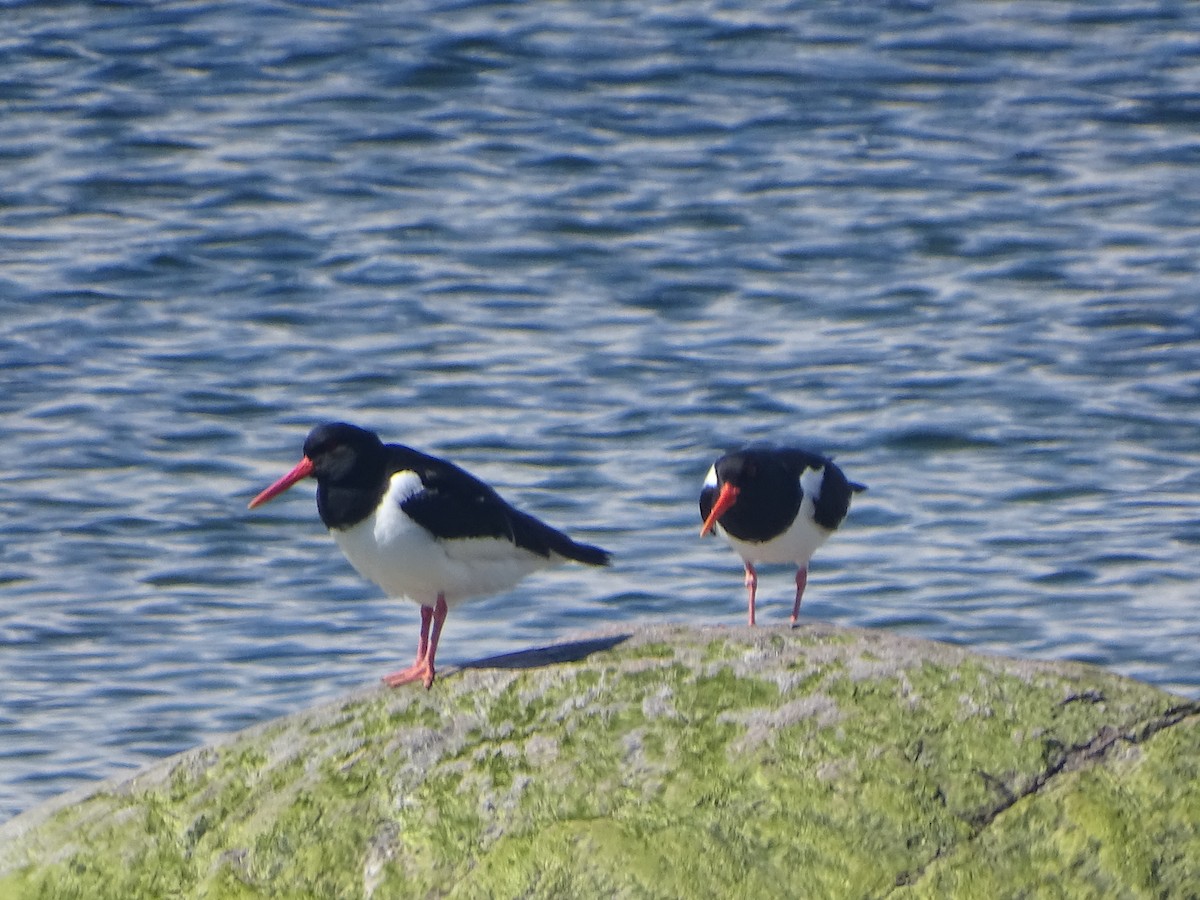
(404, 485)
(811, 480)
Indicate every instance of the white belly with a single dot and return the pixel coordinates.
(405, 560)
(796, 545)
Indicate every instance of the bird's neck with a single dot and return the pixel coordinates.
(344, 505)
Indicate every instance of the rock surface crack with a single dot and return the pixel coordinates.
(1066, 759)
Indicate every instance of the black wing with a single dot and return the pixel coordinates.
(833, 501)
(456, 504)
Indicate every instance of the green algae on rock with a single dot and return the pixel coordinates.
(667, 762)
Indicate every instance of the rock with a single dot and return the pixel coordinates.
(664, 762)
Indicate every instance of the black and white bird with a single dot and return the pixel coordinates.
(422, 528)
(775, 505)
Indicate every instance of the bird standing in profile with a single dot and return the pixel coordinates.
(775, 505)
(422, 528)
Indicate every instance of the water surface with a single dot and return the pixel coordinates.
(582, 249)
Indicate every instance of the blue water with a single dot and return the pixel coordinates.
(582, 249)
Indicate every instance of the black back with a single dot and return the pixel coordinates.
(768, 479)
(353, 469)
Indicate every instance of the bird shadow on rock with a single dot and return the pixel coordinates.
(555, 654)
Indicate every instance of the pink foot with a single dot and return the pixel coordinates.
(422, 669)
(419, 671)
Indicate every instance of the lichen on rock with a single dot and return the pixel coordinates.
(664, 762)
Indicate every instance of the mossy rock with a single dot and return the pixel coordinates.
(668, 762)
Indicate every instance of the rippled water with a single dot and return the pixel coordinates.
(582, 249)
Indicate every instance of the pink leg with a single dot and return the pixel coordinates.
(422, 669)
(439, 619)
(751, 588)
(801, 581)
(423, 640)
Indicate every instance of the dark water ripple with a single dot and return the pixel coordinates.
(582, 249)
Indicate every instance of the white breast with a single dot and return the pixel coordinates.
(801, 539)
(408, 562)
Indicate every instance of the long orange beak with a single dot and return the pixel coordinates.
(725, 499)
(303, 469)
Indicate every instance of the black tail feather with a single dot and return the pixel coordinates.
(586, 553)
(538, 537)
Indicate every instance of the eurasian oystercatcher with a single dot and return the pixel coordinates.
(775, 505)
(422, 528)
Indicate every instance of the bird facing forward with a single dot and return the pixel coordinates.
(775, 505)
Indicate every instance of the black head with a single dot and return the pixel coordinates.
(341, 453)
(349, 464)
(753, 493)
(738, 469)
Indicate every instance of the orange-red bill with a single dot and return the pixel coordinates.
(303, 469)
(725, 499)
